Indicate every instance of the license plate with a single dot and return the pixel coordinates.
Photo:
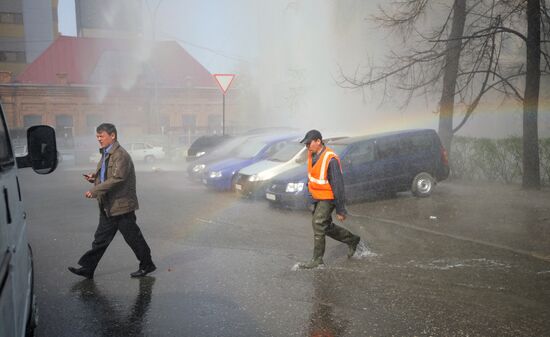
(270, 196)
(204, 181)
(238, 187)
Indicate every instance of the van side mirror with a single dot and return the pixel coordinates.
(42, 150)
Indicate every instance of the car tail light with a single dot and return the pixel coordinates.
(444, 156)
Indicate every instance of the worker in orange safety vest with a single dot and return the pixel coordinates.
(326, 185)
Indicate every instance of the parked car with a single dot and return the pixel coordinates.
(289, 189)
(385, 163)
(18, 311)
(221, 175)
(253, 180)
(227, 149)
(139, 151)
(204, 145)
(145, 151)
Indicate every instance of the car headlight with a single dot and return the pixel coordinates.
(254, 177)
(200, 154)
(198, 168)
(294, 187)
(215, 174)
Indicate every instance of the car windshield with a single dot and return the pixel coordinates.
(287, 152)
(231, 146)
(249, 149)
(208, 141)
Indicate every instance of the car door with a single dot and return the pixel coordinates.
(360, 167)
(15, 266)
(393, 171)
(419, 155)
(7, 304)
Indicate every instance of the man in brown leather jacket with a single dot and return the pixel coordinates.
(115, 190)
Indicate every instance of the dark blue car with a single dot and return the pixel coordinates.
(220, 175)
(384, 163)
(289, 189)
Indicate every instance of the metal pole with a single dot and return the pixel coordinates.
(223, 116)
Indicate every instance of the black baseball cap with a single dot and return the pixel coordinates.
(312, 135)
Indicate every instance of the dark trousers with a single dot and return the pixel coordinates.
(104, 234)
(323, 226)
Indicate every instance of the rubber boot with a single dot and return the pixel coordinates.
(318, 252)
(343, 235)
(352, 247)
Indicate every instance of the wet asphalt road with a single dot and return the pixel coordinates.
(469, 261)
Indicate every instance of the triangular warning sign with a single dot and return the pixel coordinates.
(224, 81)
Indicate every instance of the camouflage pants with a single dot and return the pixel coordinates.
(323, 226)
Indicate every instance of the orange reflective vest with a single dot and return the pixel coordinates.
(317, 174)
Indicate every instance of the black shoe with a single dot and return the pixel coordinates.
(144, 271)
(82, 272)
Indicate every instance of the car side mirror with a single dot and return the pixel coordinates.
(42, 154)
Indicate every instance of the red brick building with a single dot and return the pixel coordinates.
(141, 87)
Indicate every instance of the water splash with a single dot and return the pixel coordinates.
(363, 251)
(300, 266)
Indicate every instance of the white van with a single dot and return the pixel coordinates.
(17, 304)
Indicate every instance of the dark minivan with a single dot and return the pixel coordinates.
(204, 145)
(383, 163)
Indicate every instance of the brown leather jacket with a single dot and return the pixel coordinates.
(117, 194)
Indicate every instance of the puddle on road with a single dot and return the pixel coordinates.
(362, 252)
(448, 264)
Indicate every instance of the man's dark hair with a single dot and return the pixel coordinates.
(107, 127)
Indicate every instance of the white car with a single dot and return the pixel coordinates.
(252, 180)
(139, 151)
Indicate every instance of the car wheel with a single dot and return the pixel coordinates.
(149, 159)
(423, 184)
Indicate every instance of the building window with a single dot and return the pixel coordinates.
(30, 120)
(15, 18)
(64, 125)
(12, 56)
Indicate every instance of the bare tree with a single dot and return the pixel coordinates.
(531, 165)
(472, 51)
(450, 69)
